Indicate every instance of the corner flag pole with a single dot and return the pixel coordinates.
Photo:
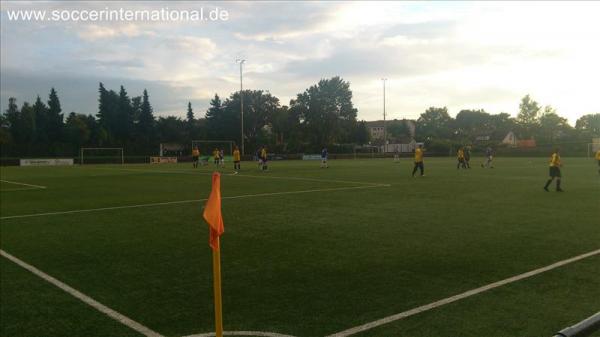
(217, 290)
(214, 218)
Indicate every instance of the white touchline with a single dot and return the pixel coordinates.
(84, 298)
(23, 184)
(461, 296)
(242, 333)
(182, 202)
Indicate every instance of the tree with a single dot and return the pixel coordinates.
(136, 109)
(361, 133)
(108, 107)
(190, 113)
(55, 117)
(434, 123)
(41, 121)
(10, 121)
(528, 116)
(146, 123)
(589, 124)
(399, 130)
(471, 123)
(501, 124)
(169, 129)
(25, 131)
(325, 112)
(12, 115)
(259, 109)
(124, 117)
(77, 130)
(552, 126)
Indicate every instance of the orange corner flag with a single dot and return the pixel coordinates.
(212, 212)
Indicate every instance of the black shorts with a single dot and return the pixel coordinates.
(236, 162)
(555, 172)
(195, 158)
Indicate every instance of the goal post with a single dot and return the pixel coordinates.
(101, 155)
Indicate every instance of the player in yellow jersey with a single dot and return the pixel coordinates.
(216, 158)
(555, 164)
(598, 160)
(419, 161)
(263, 158)
(236, 159)
(460, 155)
(195, 156)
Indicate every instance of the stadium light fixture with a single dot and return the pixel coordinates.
(384, 130)
(241, 62)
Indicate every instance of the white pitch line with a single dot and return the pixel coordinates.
(84, 298)
(242, 333)
(458, 297)
(22, 184)
(19, 189)
(182, 202)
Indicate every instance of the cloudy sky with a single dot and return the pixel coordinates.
(460, 55)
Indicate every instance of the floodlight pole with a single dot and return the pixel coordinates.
(241, 62)
(384, 130)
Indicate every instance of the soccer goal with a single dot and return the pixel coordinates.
(206, 147)
(101, 155)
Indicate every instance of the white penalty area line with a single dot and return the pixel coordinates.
(461, 296)
(183, 202)
(29, 186)
(242, 333)
(84, 298)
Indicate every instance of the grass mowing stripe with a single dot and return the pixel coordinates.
(184, 201)
(84, 298)
(20, 189)
(242, 333)
(23, 184)
(232, 173)
(458, 297)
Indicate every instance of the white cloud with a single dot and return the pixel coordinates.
(472, 54)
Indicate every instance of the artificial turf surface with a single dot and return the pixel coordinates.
(303, 264)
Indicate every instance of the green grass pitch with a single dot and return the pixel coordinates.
(306, 251)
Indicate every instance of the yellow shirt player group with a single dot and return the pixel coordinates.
(218, 158)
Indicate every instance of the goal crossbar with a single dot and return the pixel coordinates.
(83, 149)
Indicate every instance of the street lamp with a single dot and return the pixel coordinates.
(241, 62)
(384, 130)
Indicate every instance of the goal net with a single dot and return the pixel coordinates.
(101, 155)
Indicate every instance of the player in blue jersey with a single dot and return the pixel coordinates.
(324, 155)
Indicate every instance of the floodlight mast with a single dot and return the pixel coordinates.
(241, 62)
(384, 130)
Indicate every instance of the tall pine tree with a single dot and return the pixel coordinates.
(55, 117)
(146, 123)
(41, 121)
(190, 113)
(124, 118)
